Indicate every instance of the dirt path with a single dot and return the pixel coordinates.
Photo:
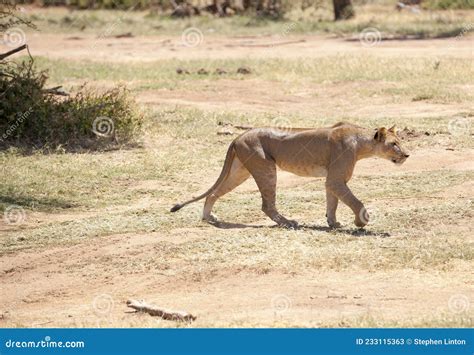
(145, 49)
(82, 290)
(255, 95)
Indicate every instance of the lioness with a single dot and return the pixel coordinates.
(325, 152)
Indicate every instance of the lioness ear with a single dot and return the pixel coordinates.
(393, 129)
(381, 134)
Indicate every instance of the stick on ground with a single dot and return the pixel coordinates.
(142, 306)
(13, 51)
(265, 44)
(57, 90)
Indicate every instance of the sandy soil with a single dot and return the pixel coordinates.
(264, 96)
(79, 286)
(217, 47)
(82, 290)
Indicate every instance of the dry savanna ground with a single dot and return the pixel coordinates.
(94, 229)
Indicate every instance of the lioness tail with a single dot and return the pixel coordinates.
(225, 171)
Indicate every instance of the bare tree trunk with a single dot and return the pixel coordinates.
(343, 9)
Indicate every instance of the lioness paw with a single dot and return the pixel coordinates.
(362, 218)
(210, 219)
(360, 223)
(287, 223)
(334, 224)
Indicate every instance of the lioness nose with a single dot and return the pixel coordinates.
(407, 155)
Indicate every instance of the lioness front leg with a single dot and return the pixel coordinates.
(343, 193)
(331, 207)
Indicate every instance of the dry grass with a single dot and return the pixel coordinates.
(439, 80)
(108, 186)
(381, 15)
(99, 223)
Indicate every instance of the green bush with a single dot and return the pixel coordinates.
(32, 118)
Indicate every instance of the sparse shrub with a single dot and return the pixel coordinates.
(30, 117)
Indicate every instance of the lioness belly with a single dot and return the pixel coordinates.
(307, 171)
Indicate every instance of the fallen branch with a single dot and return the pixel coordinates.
(235, 126)
(13, 51)
(56, 91)
(124, 35)
(141, 306)
(242, 127)
(265, 44)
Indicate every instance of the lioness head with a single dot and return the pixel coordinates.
(388, 145)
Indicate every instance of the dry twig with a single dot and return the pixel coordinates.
(13, 51)
(56, 91)
(142, 306)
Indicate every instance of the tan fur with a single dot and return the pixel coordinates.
(325, 152)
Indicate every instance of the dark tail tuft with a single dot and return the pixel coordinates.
(176, 207)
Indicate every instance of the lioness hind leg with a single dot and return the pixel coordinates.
(264, 173)
(237, 175)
